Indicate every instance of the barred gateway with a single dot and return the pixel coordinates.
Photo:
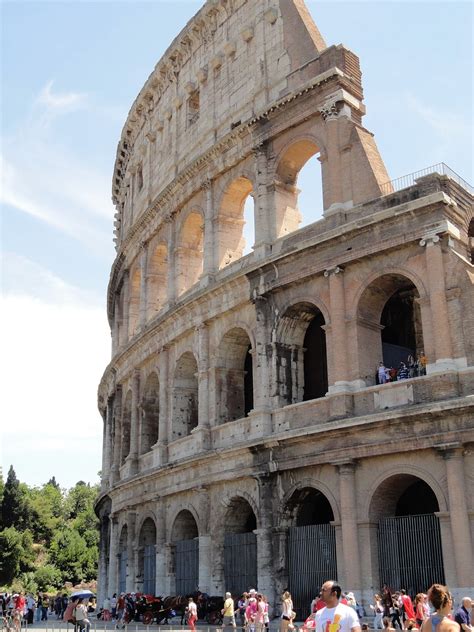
(246, 440)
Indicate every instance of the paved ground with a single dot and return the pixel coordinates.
(53, 625)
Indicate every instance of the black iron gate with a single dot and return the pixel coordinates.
(410, 552)
(240, 562)
(311, 562)
(149, 569)
(122, 564)
(187, 566)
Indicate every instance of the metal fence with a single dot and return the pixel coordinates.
(409, 180)
(187, 566)
(311, 561)
(410, 552)
(149, 569)
(123, 558)
(240, 562)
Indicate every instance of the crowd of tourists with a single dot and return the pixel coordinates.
(405, 370)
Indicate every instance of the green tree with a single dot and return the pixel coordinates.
(48, 578)
(17, 554)
(13, 502)
(71, 555)
(47, 506)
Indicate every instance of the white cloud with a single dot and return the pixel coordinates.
(65, 101)
(446, 123)
(54, 350)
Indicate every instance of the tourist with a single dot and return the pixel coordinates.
(382, 373)
(106, 615)
(410, 624)
(442, 602)
(192, 614)
(421, 361)
(407, 604)
(39, 604)
(113, 606)
(260, 614)
(402, 372)
(378, 612)
(30, 608)
(241, 605)
(386, 621)
(463, 615)
(267, 616)
(286, 611)
(80, 615)
(68, 615)
(411, 364)
(420, 614)
(317, 604)
(335, 613)
(228, 616)
(251, 611)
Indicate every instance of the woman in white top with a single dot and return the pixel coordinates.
(80, 614)
(286, 611)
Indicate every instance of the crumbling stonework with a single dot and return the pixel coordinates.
(241, 395)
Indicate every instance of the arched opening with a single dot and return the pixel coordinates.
(185, 396)
(311, 537)
(240, 546)
(134, 302)
(190, 252)
(150, 413)
(123, 559)
(301, 358)
(185, 539)
(126, 428)
(157, 275)
(470, 234)
(298, 188)
(232, 222)
(390, 328)
(146, 578)
(408, 552)
(234, 376)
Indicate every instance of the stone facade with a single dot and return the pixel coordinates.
(240, 386)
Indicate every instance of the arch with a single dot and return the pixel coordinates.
(404, 470)
(156, 279)
(389, 324)
(240, 545)
(307, 483)
(189, 252)
(289, 164)
(134, 301)
(240, 515)
(123, 558)
(146, 576)
(403, 506)
(150, 413)
(234, 375)
(231, 221)
(184, 527)
(126, 427)
(185, 396)
(300, 354)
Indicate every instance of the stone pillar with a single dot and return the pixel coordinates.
(265, 557)
(113, 557)
(131, 550)
(170, 575)
(162, 443)
(102, 585)
(134, 423)
(202, 433)
(210, 245)
(461, 536)
(264, 217)
(262, 366)
(107, 459)
(205, 541)
(143, 285)
(332, 190)
(160, 549)
(117, 437)
(125, 305)
(116, 326)
(439, 306)
(280, 564)
(339, 378)
(172, 261)
(350, 541)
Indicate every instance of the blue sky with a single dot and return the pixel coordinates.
(70, 72)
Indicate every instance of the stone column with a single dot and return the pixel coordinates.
(117, 439)
(113, 561)
(439, 306)
(332, 179)
(461, 536)
(107, 460)
(104, 544)
(143, 285)
(171, 281)
(210, 245)
(350, 541)
(205, 540)
(202, 431)
(265, 557)
(339, 377)
(264, 217)
(160, 549)
(162, 443)
(116, 327)
(131, 550)
(125, 305)
(134, 423)
(262, 365)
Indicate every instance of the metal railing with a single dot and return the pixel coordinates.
(409, 180)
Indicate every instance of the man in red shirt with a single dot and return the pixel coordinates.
(408, 610)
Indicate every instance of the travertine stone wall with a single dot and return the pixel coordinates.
(207, 406)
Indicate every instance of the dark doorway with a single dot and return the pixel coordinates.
(401, 321)
(248, 382)
(315, 360)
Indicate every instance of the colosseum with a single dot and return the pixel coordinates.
(254, 435)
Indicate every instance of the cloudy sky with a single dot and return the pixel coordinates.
(70, 72)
